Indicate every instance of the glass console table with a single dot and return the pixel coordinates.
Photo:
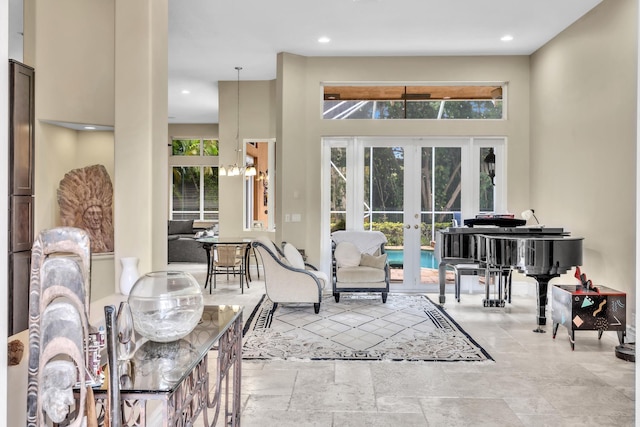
(169, 384)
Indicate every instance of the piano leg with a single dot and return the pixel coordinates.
(442, 278)
(498, 278)
(543, 286)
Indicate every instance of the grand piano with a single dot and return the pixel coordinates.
(538, 252)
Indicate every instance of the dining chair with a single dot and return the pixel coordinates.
(227, 259)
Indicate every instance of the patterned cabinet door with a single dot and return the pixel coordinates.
(603, 312)
(577, 310)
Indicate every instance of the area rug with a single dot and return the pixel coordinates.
(359, 327)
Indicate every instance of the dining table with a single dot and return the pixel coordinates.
(209, 244)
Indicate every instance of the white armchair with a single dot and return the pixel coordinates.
(359, 263)
(285, 283)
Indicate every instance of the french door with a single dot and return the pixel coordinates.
(408, 188)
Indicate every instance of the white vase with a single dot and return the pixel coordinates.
(129, 274)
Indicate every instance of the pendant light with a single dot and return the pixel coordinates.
(234, 169)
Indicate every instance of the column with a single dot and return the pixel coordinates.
(141, 155)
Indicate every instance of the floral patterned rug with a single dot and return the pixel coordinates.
(359, 327)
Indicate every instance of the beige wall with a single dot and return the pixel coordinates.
(73, 54)
(301, 128)
(141, 110)
(74, 83)
(62, 150)
(583, 139)
(256, 124)
(207, 130)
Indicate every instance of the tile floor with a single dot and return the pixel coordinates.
(534, 380)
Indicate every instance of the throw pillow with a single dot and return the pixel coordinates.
(347, 255)
(269, 244)
(293, 256)
(373, 261)
(181, 226)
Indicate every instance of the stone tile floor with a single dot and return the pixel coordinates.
(535, 380)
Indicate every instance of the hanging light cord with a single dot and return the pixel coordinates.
(238, 119)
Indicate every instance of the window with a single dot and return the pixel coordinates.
(194, 179)
(194, 147)
(413, 102)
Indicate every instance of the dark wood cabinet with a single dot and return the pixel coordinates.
(21, 191)
(21, 220)
(19, 275)
(21, 128)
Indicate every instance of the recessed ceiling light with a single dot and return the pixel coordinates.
(185, 91)
(506, 38)
(324, 40)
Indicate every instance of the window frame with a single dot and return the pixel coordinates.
(201, 162)
(354, 103)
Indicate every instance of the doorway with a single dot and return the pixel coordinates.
(409, 188)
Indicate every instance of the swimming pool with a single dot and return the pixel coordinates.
(427, 260)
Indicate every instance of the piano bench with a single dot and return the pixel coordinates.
(460, 270)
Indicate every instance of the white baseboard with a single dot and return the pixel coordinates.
(631, 329)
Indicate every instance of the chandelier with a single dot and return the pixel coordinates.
(234, 169)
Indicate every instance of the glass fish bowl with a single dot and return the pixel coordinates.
(166, 305)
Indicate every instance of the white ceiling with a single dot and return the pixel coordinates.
(209, 38)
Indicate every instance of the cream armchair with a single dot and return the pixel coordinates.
(285, 283)
(359, 263)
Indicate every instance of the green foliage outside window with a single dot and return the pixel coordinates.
(191, 147)
(395, 110)
(193, 185)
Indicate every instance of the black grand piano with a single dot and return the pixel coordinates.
(538, 252)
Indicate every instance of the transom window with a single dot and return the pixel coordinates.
(437, 102)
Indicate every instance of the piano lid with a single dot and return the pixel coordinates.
(529, 230)
(497, 221)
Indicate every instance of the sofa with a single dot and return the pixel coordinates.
(182, 243)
